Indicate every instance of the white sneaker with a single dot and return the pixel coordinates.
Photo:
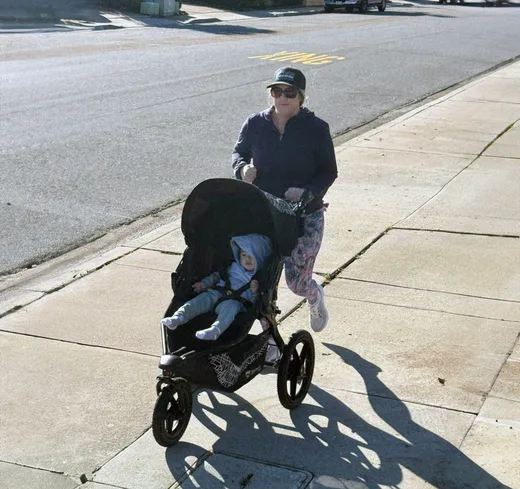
(319, 313)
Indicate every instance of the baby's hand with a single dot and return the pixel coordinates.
(254, 286)
(199, 286)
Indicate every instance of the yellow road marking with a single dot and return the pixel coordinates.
(299, 57)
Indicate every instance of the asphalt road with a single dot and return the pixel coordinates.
(98, 128)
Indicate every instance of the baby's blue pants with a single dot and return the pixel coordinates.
(205, 302)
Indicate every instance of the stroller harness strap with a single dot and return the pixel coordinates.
(228, 293)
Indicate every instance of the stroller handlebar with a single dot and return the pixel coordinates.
(306, 198)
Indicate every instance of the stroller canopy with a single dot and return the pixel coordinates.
(220, 208)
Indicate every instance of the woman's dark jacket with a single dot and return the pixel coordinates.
(302, 157)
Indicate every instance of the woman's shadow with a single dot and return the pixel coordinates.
(427, 455)
(340, 447)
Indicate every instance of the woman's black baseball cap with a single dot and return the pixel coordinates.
(289, 76)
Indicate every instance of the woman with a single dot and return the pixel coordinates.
(286, 150)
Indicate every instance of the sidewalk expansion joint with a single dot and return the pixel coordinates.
(191, 469)
(91, 476)
(27, 466)
(424, 204)
(497, 137)
(487, 396)
(414, 308)
(164, 252)
(78, 343)
(498, 157)
(503, 364)
(407, 401)
(462, 233)
(499, 422)
(458, 294)
(291, 311)
(341, 268)
(77, 276)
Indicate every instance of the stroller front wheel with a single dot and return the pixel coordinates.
(172, 412)
(296, 369)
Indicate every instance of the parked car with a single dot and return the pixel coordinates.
(350, 5)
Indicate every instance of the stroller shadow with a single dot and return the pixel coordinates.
(340, 447)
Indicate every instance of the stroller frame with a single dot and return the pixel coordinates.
(237, 356)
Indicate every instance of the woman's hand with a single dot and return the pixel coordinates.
(255, 287)
(294, 194)
(199, 287)
(248, 173)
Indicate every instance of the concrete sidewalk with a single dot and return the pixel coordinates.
(416, 378)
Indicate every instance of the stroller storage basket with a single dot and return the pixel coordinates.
(227, 370)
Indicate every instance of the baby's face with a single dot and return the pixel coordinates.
(247, 261)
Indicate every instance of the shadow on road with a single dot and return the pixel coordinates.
(221, 29)
(336, 443)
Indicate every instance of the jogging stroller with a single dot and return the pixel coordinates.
(215, 211)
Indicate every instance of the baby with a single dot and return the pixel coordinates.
(229, 294)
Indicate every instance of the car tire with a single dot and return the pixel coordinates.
(328, 9)
(363, 6)
(382, 6)
(349, 9)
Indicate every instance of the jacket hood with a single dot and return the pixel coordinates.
(256, 245)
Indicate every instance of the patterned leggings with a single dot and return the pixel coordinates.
(298, 266)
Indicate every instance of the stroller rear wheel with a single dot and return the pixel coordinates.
(296, 369)
(172, 412)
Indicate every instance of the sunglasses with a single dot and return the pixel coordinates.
(290, 92)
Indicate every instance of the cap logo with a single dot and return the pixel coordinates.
(286, 77)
